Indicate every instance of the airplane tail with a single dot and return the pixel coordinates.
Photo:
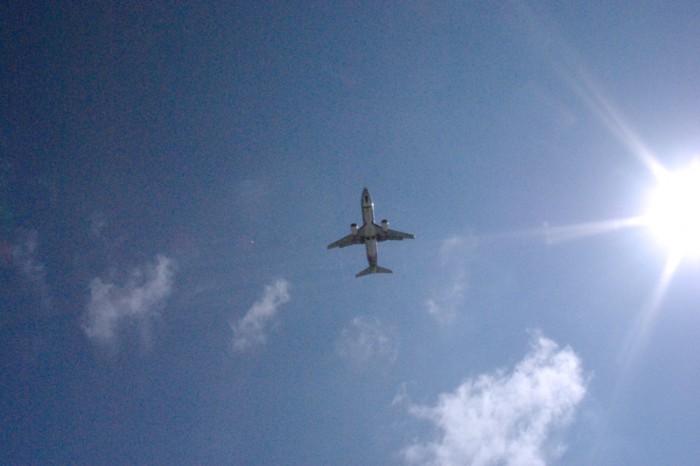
(376, 269)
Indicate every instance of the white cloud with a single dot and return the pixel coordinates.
(139, 300)
(250, 330)
(504, 418)
(367, 340)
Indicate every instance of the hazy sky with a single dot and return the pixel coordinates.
(170, 176)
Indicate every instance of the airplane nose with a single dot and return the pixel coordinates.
(366, 199)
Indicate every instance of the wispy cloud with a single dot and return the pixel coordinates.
(139, 300)
(367, 340)
(455, 253)
(23, 256)
(249, 331)
(504, 418)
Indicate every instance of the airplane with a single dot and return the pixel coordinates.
(369, 234)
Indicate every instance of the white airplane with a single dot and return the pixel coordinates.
(369, 234)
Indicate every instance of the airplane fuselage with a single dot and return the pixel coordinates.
(369, 228)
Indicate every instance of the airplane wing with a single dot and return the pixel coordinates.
(347, 241)
(392, 235)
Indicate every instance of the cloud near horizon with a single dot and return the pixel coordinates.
(249, 331)
(139, 300)
(504, 418)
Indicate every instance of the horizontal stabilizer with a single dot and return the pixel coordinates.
(375, 269)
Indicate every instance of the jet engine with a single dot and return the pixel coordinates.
(353, 228)
(385, 225)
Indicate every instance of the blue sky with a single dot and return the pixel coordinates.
(171, 175)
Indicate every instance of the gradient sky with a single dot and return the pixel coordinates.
(171, 175)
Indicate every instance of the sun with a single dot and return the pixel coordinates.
(673, 213)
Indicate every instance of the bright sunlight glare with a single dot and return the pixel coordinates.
(673, 214)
